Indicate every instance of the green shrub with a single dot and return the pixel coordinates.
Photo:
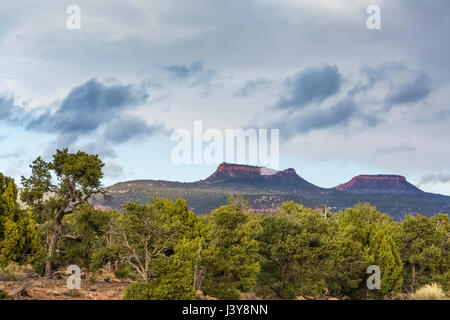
(429, 292)
(39, 265)
(3, 295)
(156, 290)
(444, 281)
(123, 272)
(139, 291)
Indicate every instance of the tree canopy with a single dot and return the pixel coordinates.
(19, 240)
(57, 188)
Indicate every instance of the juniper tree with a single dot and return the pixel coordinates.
(425, 250)
(57, 188)
(88, 239)
(19, 240)
(295, 251)
(159, 241)
(362, 239)
(230, 259)
(148, 233)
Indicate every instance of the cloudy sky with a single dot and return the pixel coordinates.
(347, 100)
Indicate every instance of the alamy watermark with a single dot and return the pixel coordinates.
(374, 20)
(74, 281)
(74, 19)
(245, 146)
(374, 280)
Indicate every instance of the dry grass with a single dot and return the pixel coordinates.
(429, 292)
(72, 293)
(12, 272)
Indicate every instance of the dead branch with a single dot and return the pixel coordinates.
(20, 291)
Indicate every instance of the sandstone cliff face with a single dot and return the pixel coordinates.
(227, 171)
(379, 184)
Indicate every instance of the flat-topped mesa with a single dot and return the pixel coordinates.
(260, 176)
(226, 171)
(235, 170)
(382, 183)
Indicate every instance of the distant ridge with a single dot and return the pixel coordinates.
(381, 183)
(266, 189)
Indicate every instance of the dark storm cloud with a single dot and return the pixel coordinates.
(305, 112)
(312, 85)
(416, 88)
(184, 71)
(10, 112)
(85, 112)
(86, 107)
(7, 108)
(195, 73)
(337, 115)
(307, 90)
(412, 92)
(375, 74)
(127, 128)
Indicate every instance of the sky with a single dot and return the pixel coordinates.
(346, 100)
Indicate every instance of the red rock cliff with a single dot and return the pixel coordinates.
(226, 171)
(378, 183)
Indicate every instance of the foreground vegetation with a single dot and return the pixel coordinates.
(170, 253)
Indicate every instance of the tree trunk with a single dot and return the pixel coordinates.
(199, 275)
(109, 267)
(52, 247)
(144, 276)
(199, 272)
(413, 277)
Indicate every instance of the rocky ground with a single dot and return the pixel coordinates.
(56, 289)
